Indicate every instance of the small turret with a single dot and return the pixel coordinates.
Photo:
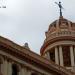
(26, 45)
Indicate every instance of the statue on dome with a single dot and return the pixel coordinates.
(60, 6)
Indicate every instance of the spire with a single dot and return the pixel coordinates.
(60, 7)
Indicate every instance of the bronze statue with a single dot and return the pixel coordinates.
(60, 6)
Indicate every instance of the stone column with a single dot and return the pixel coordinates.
(19, 73)
(5, 67)
(27, 72)
(19, 70)
(22, 71)
(45, 55)
(56, 56)
(1, 69)
(72, 55)
(9, 68)
(61, 55)
(48, 55)
(1, 64)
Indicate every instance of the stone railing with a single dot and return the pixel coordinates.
(60, 34)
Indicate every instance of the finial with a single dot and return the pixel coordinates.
(60, 7)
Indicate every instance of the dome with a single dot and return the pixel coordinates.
(61, 24)
(60, 29)
(59, 44)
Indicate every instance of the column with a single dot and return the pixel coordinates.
(1, 68)
(4, 67)
(45, 55)
(9, 68)
(61, 55)
(27, 72)
(48, 56)
(72, 56)
(22, 71)
(1, 64)
(56, 56)
(19, 70)
(19, 73)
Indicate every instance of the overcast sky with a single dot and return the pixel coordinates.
(27, 20)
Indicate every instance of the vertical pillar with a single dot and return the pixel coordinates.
(9, 68)
(72, 56)
(4, 67)
(22, 71)
(19, 70)
(27, 72)
(61, 55)
(45, 55)
(1, 69)
(1, 64)
(48, 55)
(56, 56)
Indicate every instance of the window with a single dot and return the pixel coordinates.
(52, 54)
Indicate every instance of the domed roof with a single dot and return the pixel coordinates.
(59, 25)
(58, 29)
(61, 22)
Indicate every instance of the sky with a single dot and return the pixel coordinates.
(27, 20)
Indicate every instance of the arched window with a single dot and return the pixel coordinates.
(14, 69)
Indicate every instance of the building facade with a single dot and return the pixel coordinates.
(57, 53)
